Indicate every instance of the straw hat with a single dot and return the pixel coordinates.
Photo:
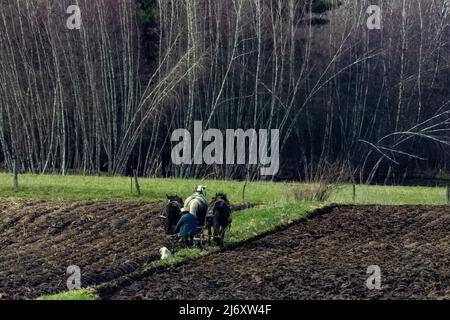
(201, 190)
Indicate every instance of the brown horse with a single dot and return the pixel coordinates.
(173, 213)
(219, 218)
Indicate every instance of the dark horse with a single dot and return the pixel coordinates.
(219, 217)
(173, 213)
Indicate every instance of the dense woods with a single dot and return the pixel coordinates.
(105, 98)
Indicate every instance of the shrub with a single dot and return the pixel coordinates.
(328, 176)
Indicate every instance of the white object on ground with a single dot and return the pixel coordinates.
(165, 253)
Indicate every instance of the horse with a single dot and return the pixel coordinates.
(173, 213)
(219, 217)
(198, 205)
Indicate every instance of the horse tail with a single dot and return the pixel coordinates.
(216, 224)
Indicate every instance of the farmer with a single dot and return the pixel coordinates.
(197, 204)
(187, 227)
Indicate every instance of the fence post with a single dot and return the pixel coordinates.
(353, 186)
(131, 180)
(354, 192)
(245, 186)
(136, 181)
(15, 176)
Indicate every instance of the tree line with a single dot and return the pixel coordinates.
(373, 104)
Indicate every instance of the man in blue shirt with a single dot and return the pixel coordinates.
(187, 227)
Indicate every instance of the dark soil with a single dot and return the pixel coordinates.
(323, 258)
(39, 240)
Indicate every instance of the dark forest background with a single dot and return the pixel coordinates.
(373, 104)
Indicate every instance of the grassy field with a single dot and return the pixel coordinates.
(78, 188)
(390, 195)
(278, 203)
